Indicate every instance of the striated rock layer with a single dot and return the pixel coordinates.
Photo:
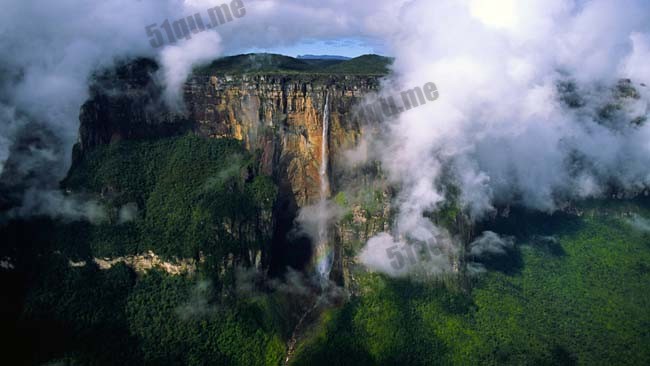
(281, 119)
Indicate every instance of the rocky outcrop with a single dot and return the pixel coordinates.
(145, 262)
(279, 118)
(367, 214)
(125, 103)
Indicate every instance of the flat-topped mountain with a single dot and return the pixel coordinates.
(272, 105)
(274, 63)
(323, 57)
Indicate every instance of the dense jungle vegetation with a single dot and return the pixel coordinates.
(576, 291)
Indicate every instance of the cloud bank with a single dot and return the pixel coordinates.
(527, 114)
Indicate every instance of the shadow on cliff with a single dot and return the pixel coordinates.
(289, 248)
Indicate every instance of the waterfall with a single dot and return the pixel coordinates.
(324, 255)
(324, 179)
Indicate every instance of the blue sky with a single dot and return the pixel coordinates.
(349, 47)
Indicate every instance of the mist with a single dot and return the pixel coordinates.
(502, 131)
(50, 52)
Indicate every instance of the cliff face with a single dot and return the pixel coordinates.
(365, 217)
(125, 103)
(279, 118)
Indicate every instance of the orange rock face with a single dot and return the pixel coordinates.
(281, 119)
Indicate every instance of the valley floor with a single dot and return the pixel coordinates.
(577, 292)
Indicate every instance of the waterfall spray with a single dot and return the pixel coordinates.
(324, 255)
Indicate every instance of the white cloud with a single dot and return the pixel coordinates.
(45, 69)
(177, 62)
(498, 129)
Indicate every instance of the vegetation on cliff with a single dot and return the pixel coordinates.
(195, 197)
(266, 63)
(575, 292)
